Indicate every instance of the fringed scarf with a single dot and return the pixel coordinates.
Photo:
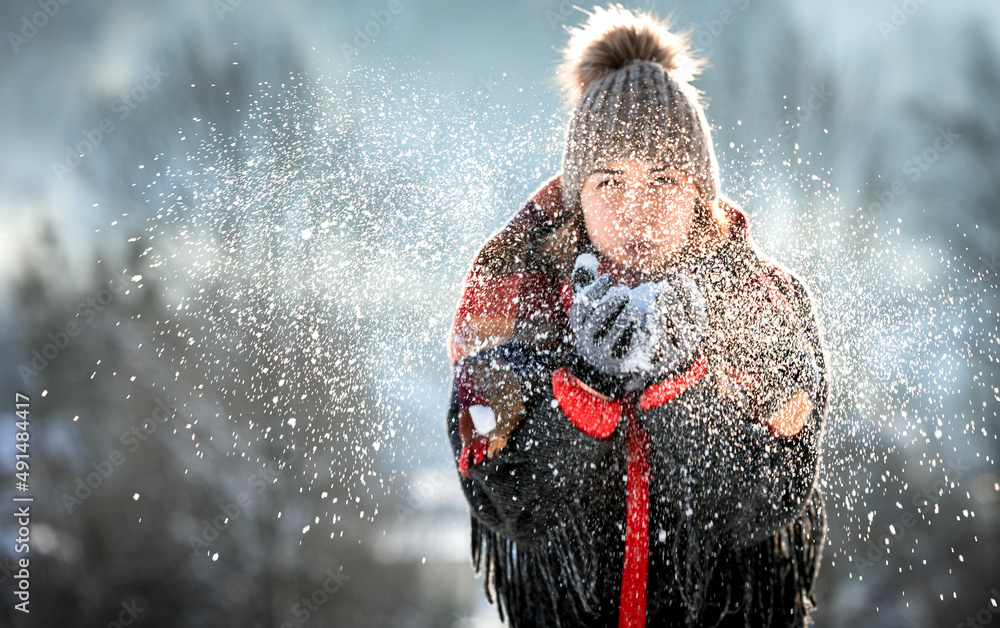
(517, 295)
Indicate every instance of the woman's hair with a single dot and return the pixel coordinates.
(627, 78)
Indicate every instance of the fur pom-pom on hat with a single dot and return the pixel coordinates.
(614, 37)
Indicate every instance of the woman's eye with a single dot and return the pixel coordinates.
(665, 181)
(608, 183)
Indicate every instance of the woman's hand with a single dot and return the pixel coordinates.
(788, 402)
(791, 417)
(607, 332)
(646, 333)
(675, 322)
(607, 327)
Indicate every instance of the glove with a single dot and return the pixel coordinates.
(674, 324)
(628, 337)
(606, 329)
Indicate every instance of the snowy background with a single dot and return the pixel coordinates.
(232, 234)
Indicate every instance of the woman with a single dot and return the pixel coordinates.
(638, 393)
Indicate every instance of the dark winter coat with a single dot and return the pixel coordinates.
(670, 506)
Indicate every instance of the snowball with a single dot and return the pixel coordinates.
(483, 418)
(644, 296)
(640, 359)
(586, 260)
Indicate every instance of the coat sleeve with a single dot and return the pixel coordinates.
(714, 460)
(523, 489)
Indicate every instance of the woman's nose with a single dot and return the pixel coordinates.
(636, 201)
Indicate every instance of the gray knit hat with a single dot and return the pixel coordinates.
(628, 78)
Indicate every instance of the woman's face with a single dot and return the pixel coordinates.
(637, 213)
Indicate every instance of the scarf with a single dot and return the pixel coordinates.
(512, 315)
(511, 330)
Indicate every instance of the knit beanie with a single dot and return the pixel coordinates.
(627, 77)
